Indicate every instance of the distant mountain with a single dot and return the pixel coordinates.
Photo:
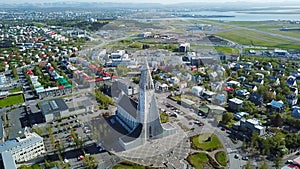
(82, 5)
(238, 5)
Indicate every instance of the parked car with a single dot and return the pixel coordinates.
(245, 158)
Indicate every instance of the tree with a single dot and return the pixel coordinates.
(244, 145)
(248, 165)
(277, 121)
(278, 162)
(136, 80)
(122, 70)
(15, 73)
(103, 100)
(249, 107)
(263, 165)
(90, 162)
(254, 140)
(227, 117)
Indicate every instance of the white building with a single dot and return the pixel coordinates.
(123, 62)
(197, 90)
(2, 79)
(117, 55)
(25, 148)
(184, 47)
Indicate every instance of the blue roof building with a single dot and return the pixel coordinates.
(277, 106)
(296, 112)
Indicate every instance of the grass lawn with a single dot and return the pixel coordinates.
(221, 158)
(11, 100)
(164, 118)
(18, 89)
(128, 165)
(197, 160)
(251, 38)
(202, 142)
(227, 50)
(176, 98)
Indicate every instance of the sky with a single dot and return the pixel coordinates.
(140, 1)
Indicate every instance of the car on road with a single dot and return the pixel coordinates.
(199, 123)
(236, 156)
(289, 161)
(245, 158)
(228, 131)
(80, 158)
(223, 129)
(87, 131)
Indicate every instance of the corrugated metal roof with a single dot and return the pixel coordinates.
(8, 161)
(15, 145)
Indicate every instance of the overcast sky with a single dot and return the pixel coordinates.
(140, 1)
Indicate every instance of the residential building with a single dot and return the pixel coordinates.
(257, 99)
(235, 104)
(291, 81)
(296, 112)
(184, 47)
(253, 87)
(259, 81)
(206, 94)
(220, 99)
(182, 85)
(252, 125)
(291, 99)
(234, 57)
(242, 79)
(240, 115)
(197, 90)
(294, 90)
(25, 148)
(242, 93)
(276, 106)
(3, 79)
(260, 75)
(275, 80)
(162, 87)
(233, 83)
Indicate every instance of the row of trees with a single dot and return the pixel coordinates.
(103, 100)
(277, 145)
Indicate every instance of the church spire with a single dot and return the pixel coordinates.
(146, 81)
